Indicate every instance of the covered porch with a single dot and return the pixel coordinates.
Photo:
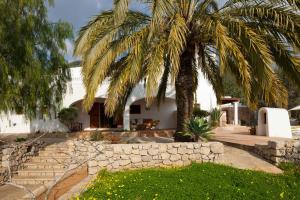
(137, 116)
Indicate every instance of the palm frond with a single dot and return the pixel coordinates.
(176, 43)
(227, 47)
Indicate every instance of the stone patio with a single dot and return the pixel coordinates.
(240, 137)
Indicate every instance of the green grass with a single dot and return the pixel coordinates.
(198, 181)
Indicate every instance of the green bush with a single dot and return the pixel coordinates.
(199, 128)
(215, 117)
(197, 112)
(289, 167)
(68, 115)
(20, 139)
(96, 136)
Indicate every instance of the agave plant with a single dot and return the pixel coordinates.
(215, 117)
(199, 128)
(177, 38)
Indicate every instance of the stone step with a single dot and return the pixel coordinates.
(42, 165)
(49, 159)
(32, 180)
(40, 172)
(51, 153)
(56, 149)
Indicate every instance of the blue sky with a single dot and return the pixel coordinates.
(79, 12)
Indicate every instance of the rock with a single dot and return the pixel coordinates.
(115, 165)
(124, 157)
(117, 149)
(124, 162)
(163, 148)
(146, 158)
(175, 157)
(153, 152)
(192, 157)
(204, 150)
(101, 157)
(155, 157)
(109, 154)
(276, 144)
(182, 150)
(167, 162)
(176, 145)
(103, 163)
(205, 144)
(136, 152)
(165, 156)
(143, 153)
(136, 159)
(127, 149)
(146, 146)
(185, 157)
(172, 151)
(217, 147)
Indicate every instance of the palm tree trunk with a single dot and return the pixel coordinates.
(185, 89)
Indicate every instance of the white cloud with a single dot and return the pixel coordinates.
(70, 50)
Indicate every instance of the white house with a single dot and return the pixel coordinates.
(274, 122)
(135, 109)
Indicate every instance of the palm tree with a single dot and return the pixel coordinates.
(175, 39)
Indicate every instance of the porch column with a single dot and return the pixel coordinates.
(236, 113)
(126, 118)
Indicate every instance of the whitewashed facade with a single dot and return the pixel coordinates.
(165, 114)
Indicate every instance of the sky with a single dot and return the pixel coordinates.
(78, 13)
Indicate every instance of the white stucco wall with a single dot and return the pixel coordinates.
(13, 123)
(205, 94)
(76, 92)
(277, 123)
(18, 124)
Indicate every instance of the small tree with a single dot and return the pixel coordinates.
(67, 116)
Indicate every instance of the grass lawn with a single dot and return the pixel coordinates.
(198, 181)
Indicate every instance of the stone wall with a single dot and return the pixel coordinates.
(280, 151)
(114, 157)
(14, 155)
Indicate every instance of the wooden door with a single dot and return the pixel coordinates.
(95, 116)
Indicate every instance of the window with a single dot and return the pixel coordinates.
(135, 109)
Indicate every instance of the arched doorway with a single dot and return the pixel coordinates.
(96, 118)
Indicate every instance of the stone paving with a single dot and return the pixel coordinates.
(239, 136)
(243, 159)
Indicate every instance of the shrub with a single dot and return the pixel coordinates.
(215, 116)
(20, 139)
(199, 128)
(289, 167)
(96, 136)
(68, 115)
(197, 112)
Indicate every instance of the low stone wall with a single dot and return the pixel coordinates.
(13, 155)
(280, 151)
(114, 157)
